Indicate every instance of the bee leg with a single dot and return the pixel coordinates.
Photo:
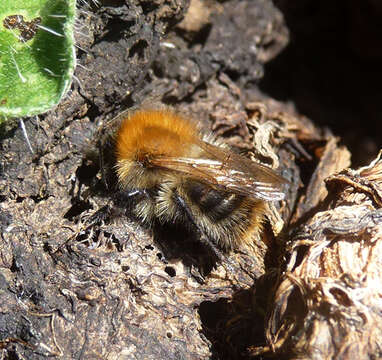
(101, 216)
(224, 260)
(202, 235)
(107, 212)
(122, 198)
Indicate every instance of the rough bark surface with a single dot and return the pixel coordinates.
(77, 288)
(327, 304)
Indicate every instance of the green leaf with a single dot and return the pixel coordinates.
(37, 57)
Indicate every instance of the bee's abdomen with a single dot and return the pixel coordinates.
(217, 205)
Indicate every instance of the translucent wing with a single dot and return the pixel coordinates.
(223, 168)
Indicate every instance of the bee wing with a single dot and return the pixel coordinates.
(222, 168)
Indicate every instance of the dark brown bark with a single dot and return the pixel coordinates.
(84, 289)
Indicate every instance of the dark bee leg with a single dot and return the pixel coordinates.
(202, 235)
(224, 260)
(122, 197)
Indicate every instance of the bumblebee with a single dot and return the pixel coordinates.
(172, 173)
